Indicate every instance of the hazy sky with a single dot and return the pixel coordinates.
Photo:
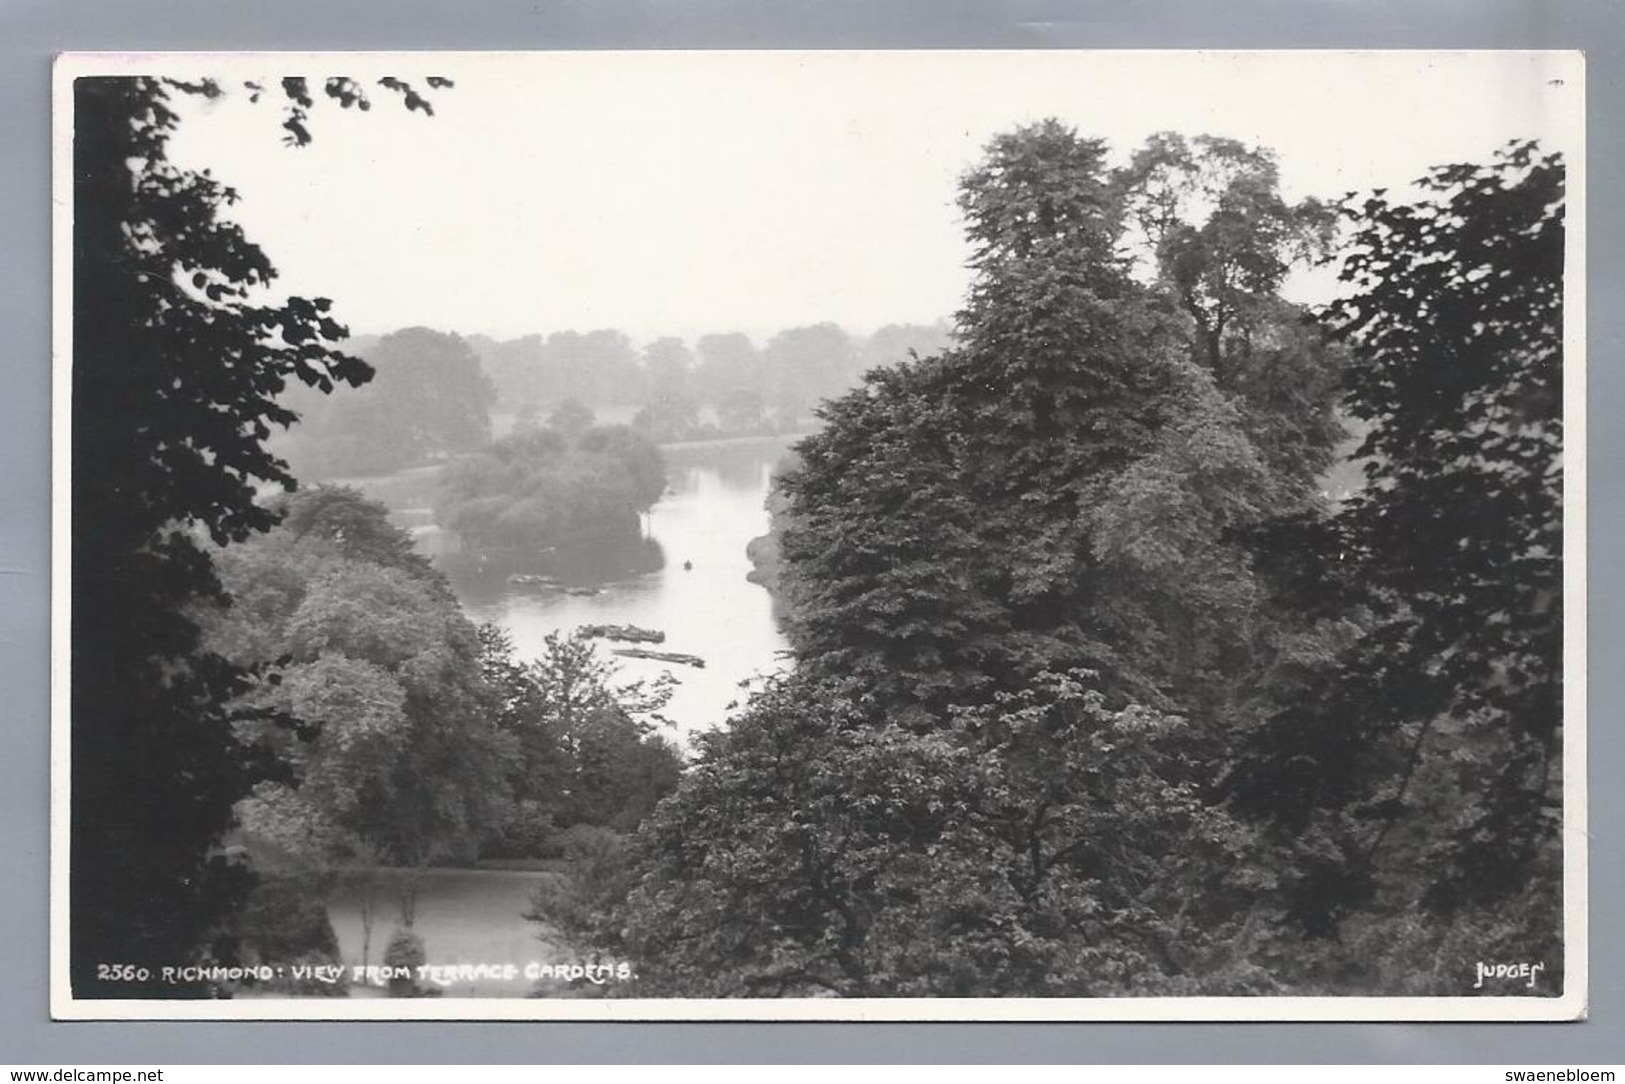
(688, 192)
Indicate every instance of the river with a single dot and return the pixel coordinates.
(698, 596)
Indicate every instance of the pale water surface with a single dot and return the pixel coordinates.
(713, 507)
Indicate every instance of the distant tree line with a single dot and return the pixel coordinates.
(426, 402)
(722, 385)
(433, 393)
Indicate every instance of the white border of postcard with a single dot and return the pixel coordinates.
(1572, 1004)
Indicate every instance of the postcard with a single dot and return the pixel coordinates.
(1049, 535)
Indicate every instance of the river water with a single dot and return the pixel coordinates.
(698, 595)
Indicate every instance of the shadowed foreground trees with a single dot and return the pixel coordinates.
(588, 751)
(1416, 775)
(177, 365)
(1043, 844)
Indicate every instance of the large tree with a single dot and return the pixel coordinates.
(1208, 218)
(589, 751)
(728, 363)
(803, 365)
(177, 365)
(1021, 608)
(1417, 772)
(401, 758)
(896, 342)
(1044, 844)
(1059, 490)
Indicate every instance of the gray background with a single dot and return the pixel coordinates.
(30, 30)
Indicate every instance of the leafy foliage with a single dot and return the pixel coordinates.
(548, 488)
(285, 924)
(1024, 613)
(805, 364)
(402, 760)
(1420, 766)
(1043, 845)
(588, 749)
(573, 906)
(177, 368)
(1094, 695)
(1208, 215)
(1060, 491)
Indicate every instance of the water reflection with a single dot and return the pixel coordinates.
(685, 577)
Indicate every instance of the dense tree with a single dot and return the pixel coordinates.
(671, 413)
(742, 412)
(1211, 212)
(1420, 765)
(667, 365)
(598, 367)
(672, 419)
(571, 418)
(1042, 845)
(1056, 492)
(1023, 613)
(604, 369)
(400, 758)
(537, 490)
(427, 400)
(342, 517)
(589, 747)
(897, 342)
(177, 365)
(515, 369)
(1208, 216)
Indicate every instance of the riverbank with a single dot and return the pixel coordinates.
(735, 442)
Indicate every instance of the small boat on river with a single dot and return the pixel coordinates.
(660, 656)
(624, 632)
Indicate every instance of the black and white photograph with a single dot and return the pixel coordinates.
(829, 535)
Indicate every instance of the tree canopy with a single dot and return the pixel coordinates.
(542, 489)
(1095, 692)
(1419, 765)
(401, 756)
(590, 751)
(1024, 613)
(178, 363)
